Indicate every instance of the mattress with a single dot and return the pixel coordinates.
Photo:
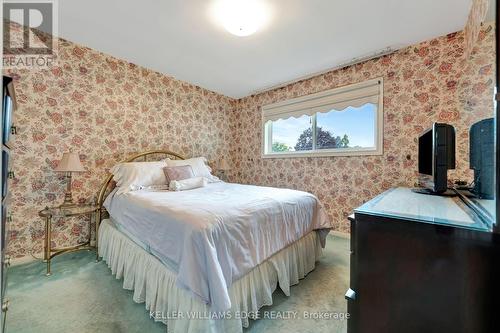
(214, 235)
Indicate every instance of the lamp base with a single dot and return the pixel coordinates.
(68, 197)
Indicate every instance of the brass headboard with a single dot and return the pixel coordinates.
(108, 185)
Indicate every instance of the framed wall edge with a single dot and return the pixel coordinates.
(496, 227)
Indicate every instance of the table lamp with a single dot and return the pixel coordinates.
(70, 162)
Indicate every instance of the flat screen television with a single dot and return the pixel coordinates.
(436, 155)
(482, 158)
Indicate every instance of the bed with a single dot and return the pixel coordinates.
(206, 259)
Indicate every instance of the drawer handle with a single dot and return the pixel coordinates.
(5, 305)
(350, 295)
(7, 261)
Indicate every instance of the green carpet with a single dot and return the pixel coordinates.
(82, 296)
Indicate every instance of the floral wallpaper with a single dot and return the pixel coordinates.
(424, 83)
(105, 109)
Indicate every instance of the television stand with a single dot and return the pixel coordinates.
(447, 193)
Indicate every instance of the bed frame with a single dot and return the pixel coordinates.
(109, 184)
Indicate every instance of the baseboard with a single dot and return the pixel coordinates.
(340, 234)
(26, 259)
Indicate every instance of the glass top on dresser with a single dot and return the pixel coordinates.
(405, 204)
(64, 211)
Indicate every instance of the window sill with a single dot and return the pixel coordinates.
(354, 152)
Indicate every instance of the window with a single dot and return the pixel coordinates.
(344, 121)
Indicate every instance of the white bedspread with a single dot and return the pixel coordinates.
(216, 234)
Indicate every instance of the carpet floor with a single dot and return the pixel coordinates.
(82, 296)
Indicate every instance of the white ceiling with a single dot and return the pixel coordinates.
(179, 38)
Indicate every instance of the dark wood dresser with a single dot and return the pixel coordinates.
(422, 263)
(6, 131)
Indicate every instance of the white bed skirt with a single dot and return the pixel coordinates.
(155, 285)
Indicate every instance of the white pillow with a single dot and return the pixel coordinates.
(133, 176)
(199, 166)
(188, 184)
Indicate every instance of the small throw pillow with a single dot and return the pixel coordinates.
(188, 184)
(178, 172)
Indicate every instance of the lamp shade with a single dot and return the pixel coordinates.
(223, 165)
(70, 162)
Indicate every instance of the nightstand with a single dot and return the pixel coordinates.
(65, 211)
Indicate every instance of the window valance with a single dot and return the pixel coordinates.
(354, 95)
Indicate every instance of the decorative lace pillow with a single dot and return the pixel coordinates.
(178, 172)
(132, 176)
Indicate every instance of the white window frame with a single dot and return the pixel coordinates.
(312, 101)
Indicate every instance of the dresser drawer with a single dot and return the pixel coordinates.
(5, 259)
(6, 223)
(5, 171)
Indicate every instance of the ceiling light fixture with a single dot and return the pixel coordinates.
(241, 17)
